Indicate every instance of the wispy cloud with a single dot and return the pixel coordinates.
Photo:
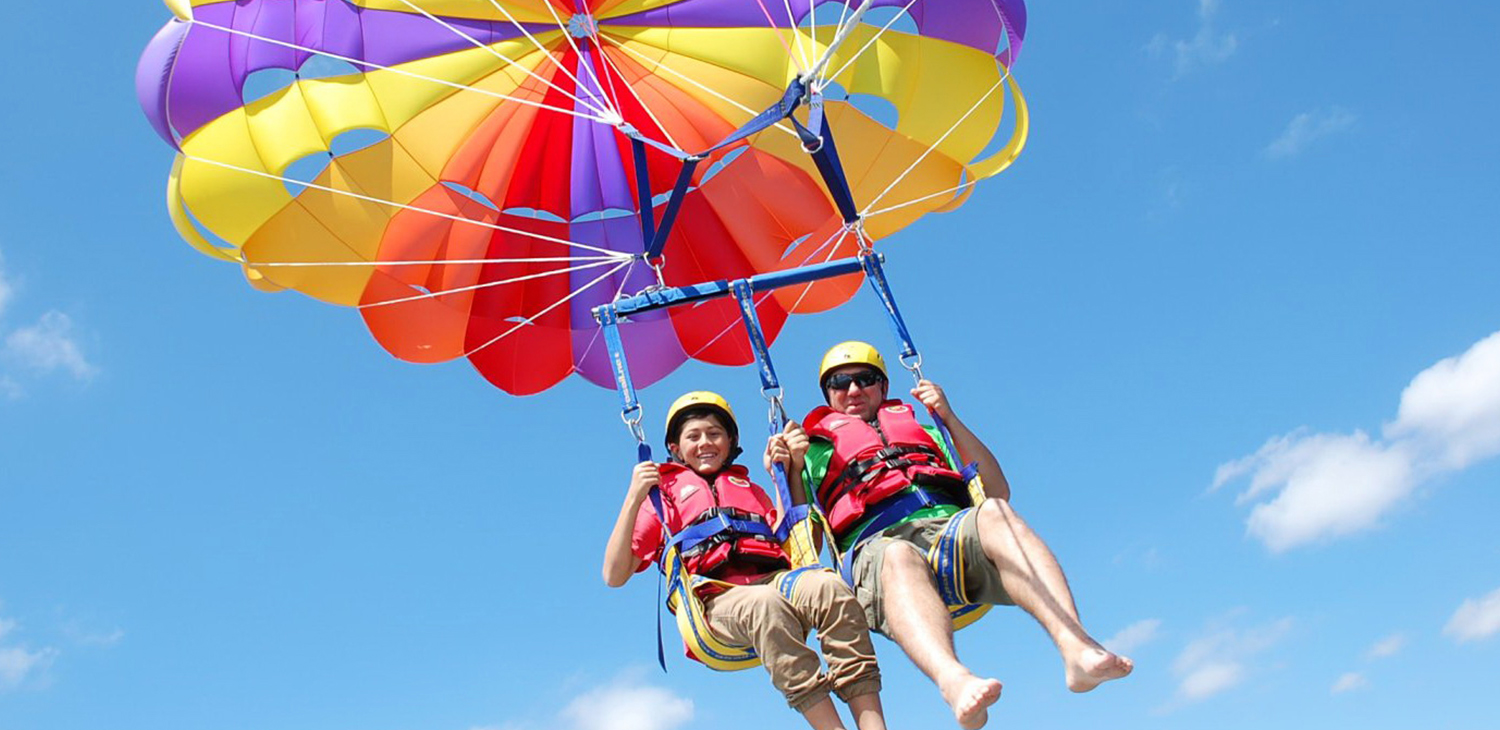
(1208, 46)
(1220, 660)
(1475, 619)
(1309, 127)
(1134, 636)
(48, 346)
(629, 706)
(18, 663)
(7, 290)
(45, 347)
(1315, 486)
(626, 702)
(1349, 682)
(1389, 646)
(1386, 647)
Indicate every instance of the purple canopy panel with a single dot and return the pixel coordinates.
(205, 76)
(599, 183)
(153, 73)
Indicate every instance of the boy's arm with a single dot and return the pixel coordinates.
(620, 562)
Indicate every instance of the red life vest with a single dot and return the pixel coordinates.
(688, 499)
(870, 465)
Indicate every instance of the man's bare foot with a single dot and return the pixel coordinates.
(1094, 667)
(970, 697)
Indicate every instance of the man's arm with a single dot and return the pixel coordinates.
(620, 562)
(969, 447)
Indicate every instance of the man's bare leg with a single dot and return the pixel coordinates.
(920, 625)
(1030, 574)
(868, 715)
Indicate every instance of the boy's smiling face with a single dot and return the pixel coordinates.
(703, 444)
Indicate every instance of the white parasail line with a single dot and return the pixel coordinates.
(415, 209)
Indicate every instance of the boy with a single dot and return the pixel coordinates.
(741, 603)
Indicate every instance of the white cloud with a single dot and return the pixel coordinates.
(1389, 646)
(1220, 660)
(44, 347)
(17, 663)
(7, 291)
(626, 705)
(1348, 682)
(1308, 127)
(1475, 619)
(1452, 409)
(1207, 46)
(1134, 636)
(1313, 486)
(47, 346)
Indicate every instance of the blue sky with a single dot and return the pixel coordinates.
(1225, 324)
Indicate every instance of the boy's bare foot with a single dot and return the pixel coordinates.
(1093, 667)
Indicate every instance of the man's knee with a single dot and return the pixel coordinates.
(995, 509)
(902, 560)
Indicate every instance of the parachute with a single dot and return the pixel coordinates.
(478, 176)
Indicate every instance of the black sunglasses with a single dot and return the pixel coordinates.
(863, 378)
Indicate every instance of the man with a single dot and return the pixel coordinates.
(738, 570)
(889, 487)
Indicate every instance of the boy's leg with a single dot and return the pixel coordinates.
(759, 617)
(828, 605)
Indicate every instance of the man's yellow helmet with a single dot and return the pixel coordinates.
(852, 352)
(698, 400)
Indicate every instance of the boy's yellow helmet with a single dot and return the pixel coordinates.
(700, 399)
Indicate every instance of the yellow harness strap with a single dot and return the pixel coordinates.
(683, 602)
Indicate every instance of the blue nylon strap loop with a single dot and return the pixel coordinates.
(875, 274)
(815, 111)
(661, 516)
(894, 512)
(674, 203)
(609, 320)
(825, 155)
(643, 193)
(770, 386)
(745, 295)
(794, 514)
(693, 536)
(783, 108)
(636, 136)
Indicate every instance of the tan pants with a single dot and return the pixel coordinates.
(758, 616)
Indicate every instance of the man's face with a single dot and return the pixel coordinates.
(703, 444)
(861, 401)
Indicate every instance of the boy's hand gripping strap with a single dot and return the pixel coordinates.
(770, 388)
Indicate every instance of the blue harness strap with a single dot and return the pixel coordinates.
(910, 357)
(770, 387)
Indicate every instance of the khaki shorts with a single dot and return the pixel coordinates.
(981, 577)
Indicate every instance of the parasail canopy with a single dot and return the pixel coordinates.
(476, 175)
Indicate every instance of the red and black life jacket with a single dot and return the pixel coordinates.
(872, 463)
(690, 500)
